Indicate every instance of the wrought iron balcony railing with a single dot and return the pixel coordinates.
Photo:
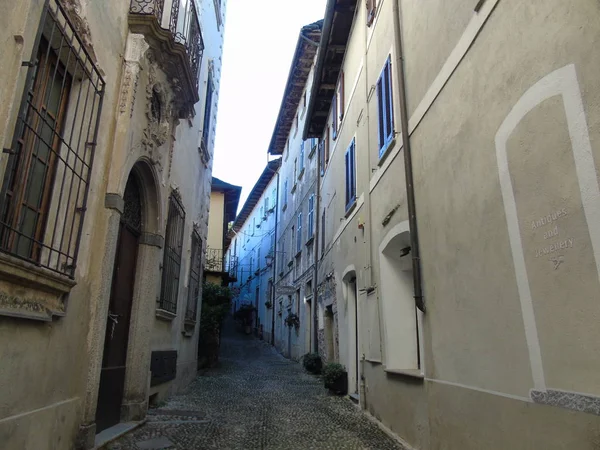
(175, 23)
(215, 261)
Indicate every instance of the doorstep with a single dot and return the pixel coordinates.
(355, 398)
(115, 432)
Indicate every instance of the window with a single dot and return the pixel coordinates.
(311, 216)
(266, 205)
(385, 108)
(350, 161)
(326, 148)
(295, 170)
(292, 243)
(282, 253)
(298, 302)
(299, 234)
(399, 313)
(194, 283)
(308, 290)
(253, 225)
(313, 143)
(172, 255)
(338, 106)
(285, 191)
(207, 112)
(324, 151)
(323, 233)
(301, 157)
(46, 181)
(371, 10)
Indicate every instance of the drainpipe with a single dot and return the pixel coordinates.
(316, 254)
(274, 265)
(410, 192)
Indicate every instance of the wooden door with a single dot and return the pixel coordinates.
(112, 375)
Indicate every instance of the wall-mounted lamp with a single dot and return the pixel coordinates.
(405, 251)
(361, 224)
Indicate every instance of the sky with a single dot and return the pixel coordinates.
(260, 40)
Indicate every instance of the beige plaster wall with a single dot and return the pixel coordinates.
(478, 359)
(215, 220)
(43, 377)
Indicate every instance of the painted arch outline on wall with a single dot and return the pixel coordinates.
(562, 82)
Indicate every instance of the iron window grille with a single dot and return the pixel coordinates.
(385, 108)
(49, 166)
(172, 256)
(194, 283)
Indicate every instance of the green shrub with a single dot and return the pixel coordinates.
(312, 363)
(332, 373)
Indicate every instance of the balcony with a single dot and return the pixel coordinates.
(172, 30)
(216, 262)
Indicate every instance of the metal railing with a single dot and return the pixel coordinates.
(148, 8)
(182, 22)
(215, 261)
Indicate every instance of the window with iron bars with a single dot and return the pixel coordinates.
(46, 181)
(194, 283)
(172, 256)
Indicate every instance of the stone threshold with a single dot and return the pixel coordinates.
(115, 432)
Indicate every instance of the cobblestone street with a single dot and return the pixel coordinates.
(256, 399)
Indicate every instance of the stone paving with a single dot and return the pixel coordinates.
(256, 399)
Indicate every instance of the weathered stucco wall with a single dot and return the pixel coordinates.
(215, 220)
(50, 379)
(484, 345)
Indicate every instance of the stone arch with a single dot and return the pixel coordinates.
(350, 295)
(147, 178)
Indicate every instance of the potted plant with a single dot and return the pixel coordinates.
(245, 315)
(336, 378)
(312, 363)
(292, 320)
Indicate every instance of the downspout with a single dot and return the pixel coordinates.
(316, 255)
(410, 192)
(274, 264)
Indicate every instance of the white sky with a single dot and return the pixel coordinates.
(260, 39)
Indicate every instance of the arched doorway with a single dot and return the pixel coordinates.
(112, 375)
(349, 280)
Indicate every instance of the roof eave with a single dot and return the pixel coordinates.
(339, 14)
(303, 59)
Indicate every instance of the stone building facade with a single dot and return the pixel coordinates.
(107, 122)
(294, 288)
(253, 248)
(475, 126)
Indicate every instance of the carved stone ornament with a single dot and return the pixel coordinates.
(159, 114)
(136, 47)
(74, 11)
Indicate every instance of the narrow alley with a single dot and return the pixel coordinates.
(256, 399)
